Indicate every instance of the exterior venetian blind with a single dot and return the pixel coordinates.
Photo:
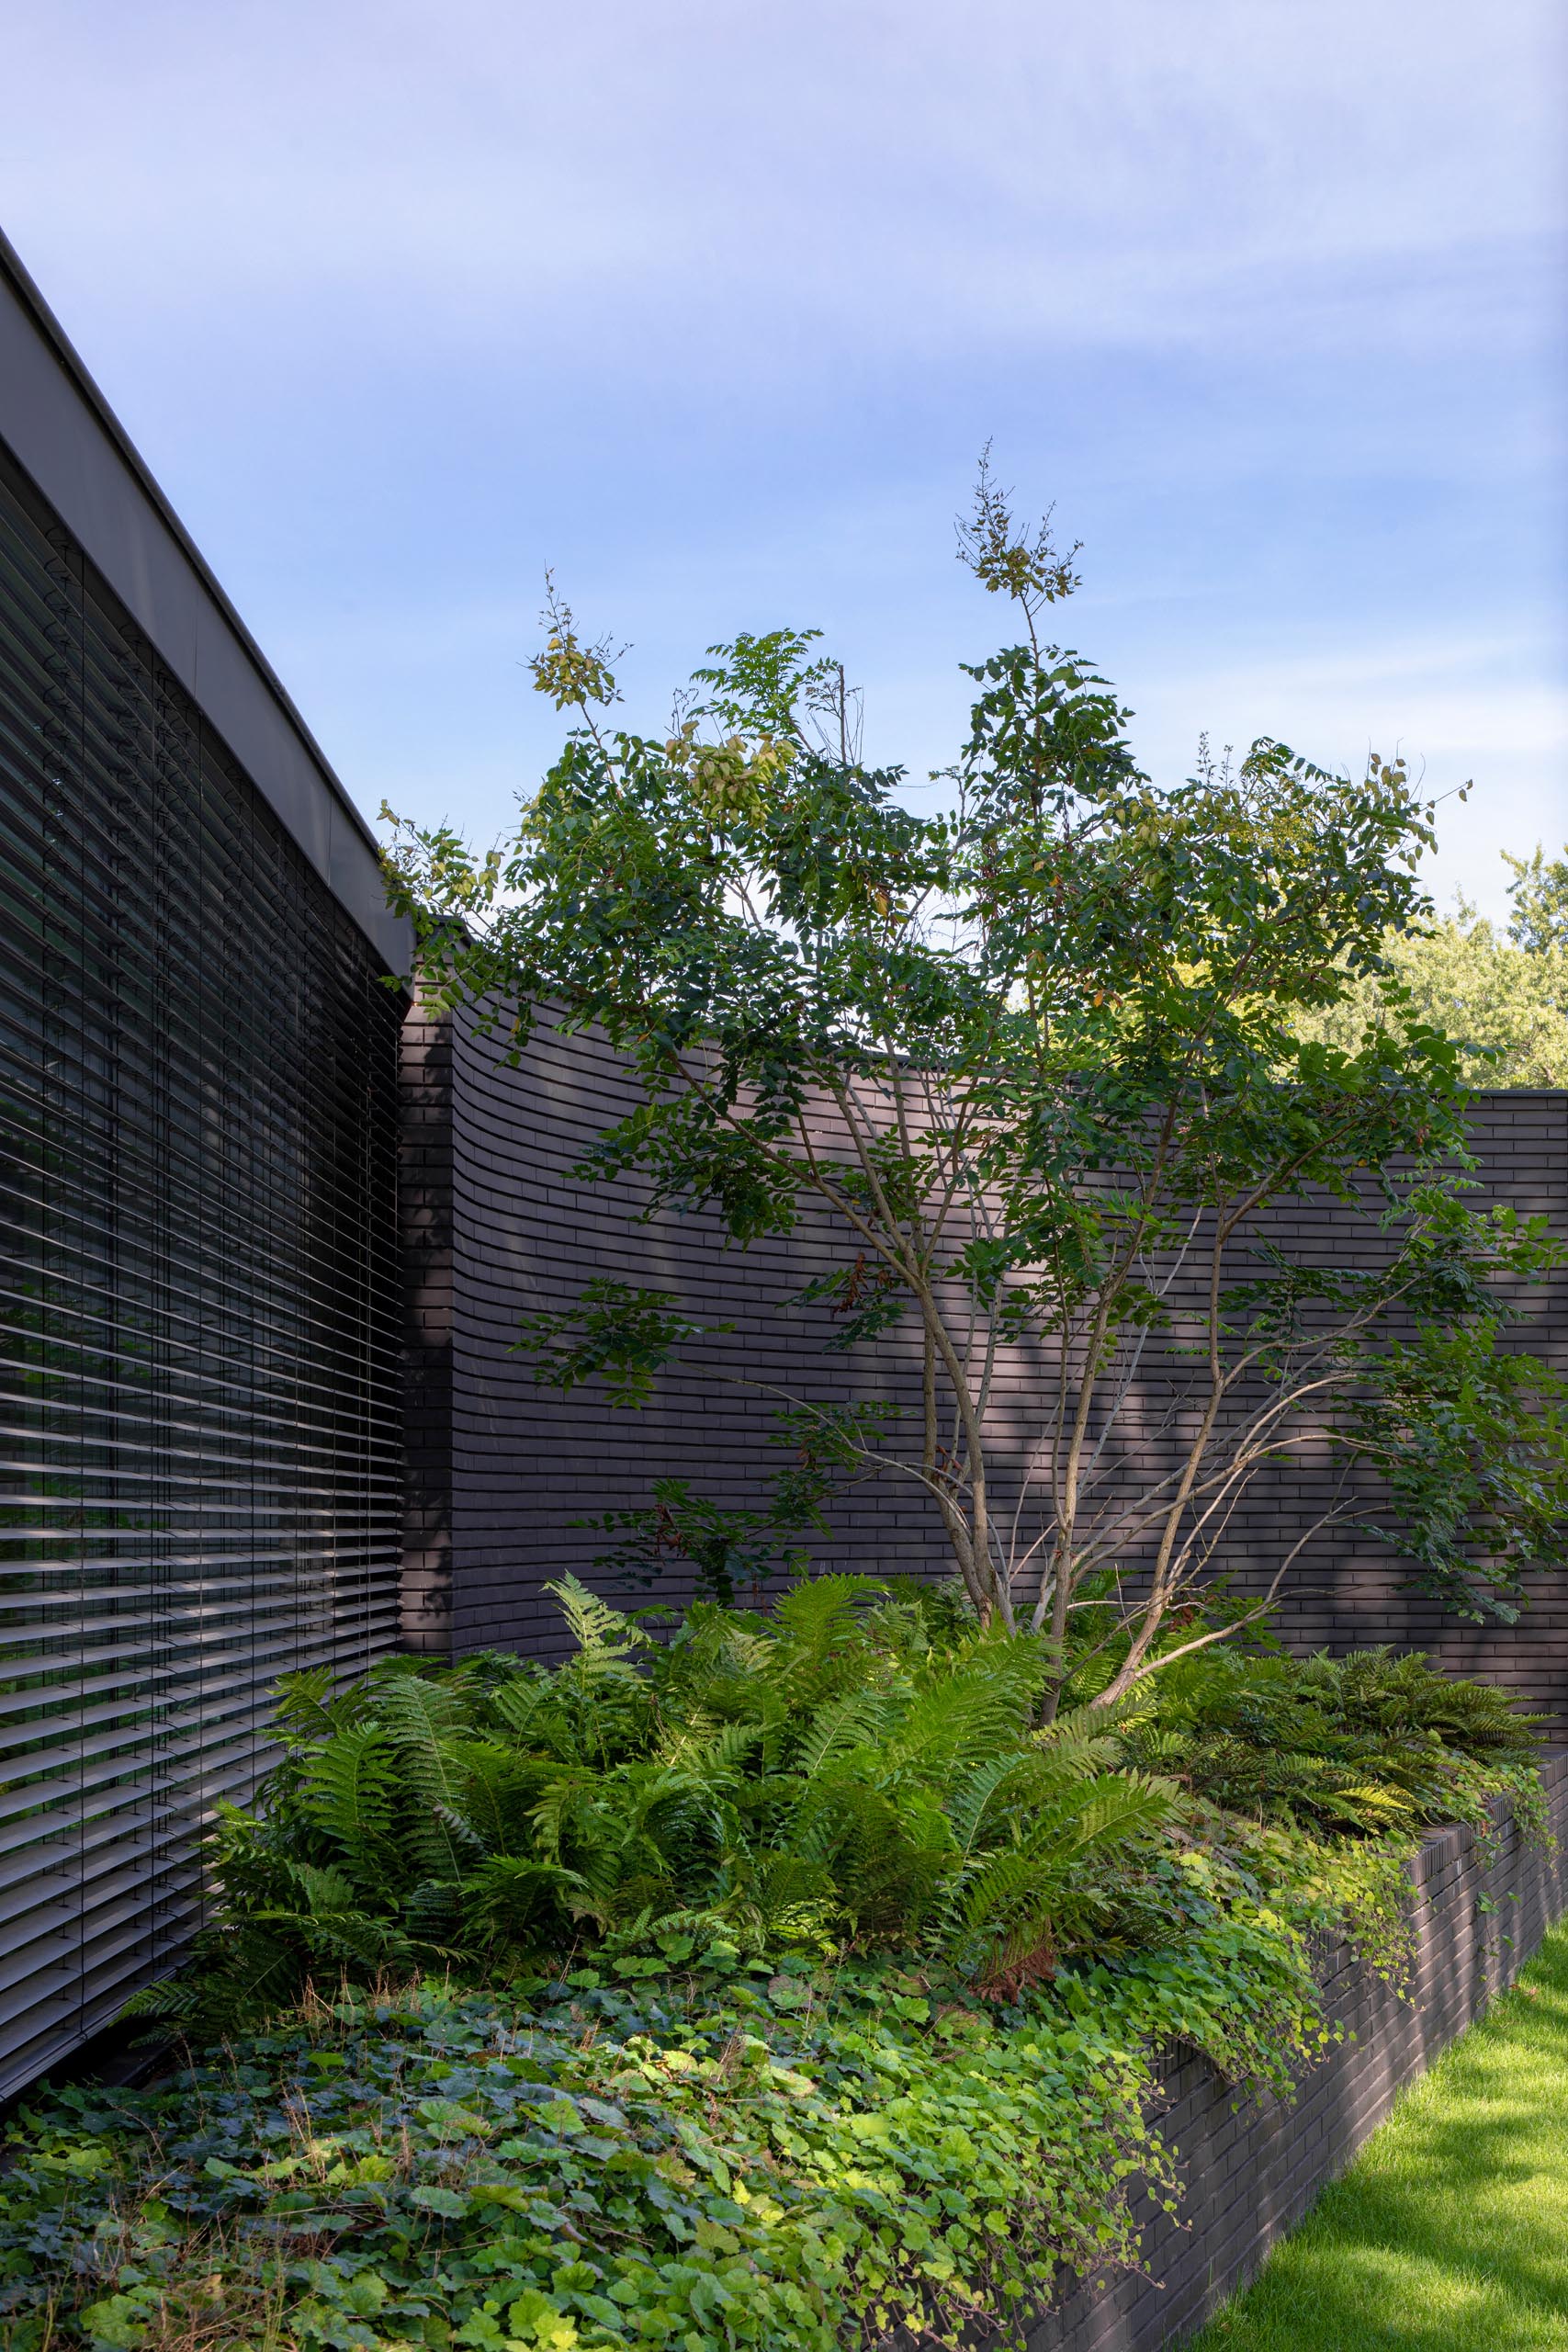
(201, 1314)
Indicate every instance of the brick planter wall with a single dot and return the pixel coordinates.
(1250, 2175)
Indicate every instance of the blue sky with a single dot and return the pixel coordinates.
(712, 306)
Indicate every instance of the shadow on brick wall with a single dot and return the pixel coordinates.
(496, 1224)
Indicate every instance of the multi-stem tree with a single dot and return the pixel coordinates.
(1038, 1057)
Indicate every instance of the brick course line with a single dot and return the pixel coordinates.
(495, 1223)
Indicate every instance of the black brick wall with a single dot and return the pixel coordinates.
(1251, 2171)
(500, 1468)
(425, 1208)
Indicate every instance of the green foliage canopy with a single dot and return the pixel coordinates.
(1040, 1058)
(1505, 1000)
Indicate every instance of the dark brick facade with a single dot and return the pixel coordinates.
(424, 1201)
(500, 1468)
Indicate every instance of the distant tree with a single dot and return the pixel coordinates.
(1038, 1056)
(1539, 893)
(1505, 1000)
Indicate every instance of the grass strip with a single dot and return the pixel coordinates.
(1449, 2233)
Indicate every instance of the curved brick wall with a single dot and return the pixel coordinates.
(495, 1224)
(502, 1466)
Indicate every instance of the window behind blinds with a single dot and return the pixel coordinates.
(199, 1464)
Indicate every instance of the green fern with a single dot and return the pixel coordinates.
(606, 1637)
(1360, 1745)
(857, 1770)
(309, 1705)
(346, 1787)
(840, 1726)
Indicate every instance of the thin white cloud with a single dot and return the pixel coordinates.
(710, 306)
(1014, 169)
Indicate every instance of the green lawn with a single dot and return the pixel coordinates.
(1450, 2234)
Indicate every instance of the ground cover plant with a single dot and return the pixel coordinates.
(1450, 2234)
(708, 2164)
(770, 1982)
(1038, 1055)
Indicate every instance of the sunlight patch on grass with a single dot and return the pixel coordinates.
(1450, 2234)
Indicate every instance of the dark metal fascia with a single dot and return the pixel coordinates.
(164, 589)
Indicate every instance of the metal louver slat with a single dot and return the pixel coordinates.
(199, 1292)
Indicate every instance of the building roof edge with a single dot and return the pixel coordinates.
(388, 932)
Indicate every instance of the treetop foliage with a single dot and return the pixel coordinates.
(1049, 1057)
(1505, 1000)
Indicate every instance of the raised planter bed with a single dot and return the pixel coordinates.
(1252, 2169)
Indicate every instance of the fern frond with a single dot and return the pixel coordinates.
(841, 1725)
(520, 1701)
(1112, 1808)
(817, 1620)
(1084, 1739)
(326, 1891)
(605, 1636)
(240, 1975)
(510, 1896)
(308, 1707)
(1010, 1782)
(346, 1789)
(960, 1722)
(708, 1752)
(1008, 1884)
(418, 1718)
